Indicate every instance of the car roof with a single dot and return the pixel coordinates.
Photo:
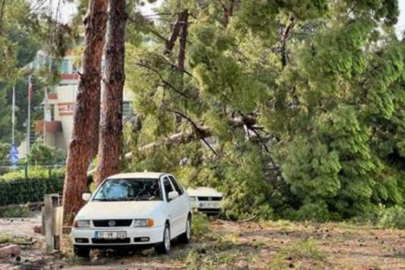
(137, 175)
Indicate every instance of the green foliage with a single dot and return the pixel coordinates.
(200, 225)
(4, 150)
(33, 172)
(43, 154)
(299, 251)
(24, 190)
(329, 97)
(14, 211)
(393, 217)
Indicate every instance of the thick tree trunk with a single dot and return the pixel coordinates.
(2, 6)
(183, 41)
(111, 112)
(86, 117)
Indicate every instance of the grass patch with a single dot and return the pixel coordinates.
(4, 239)
(294, 253)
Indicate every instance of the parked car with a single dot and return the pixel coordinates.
(133, 209)
(205, 199)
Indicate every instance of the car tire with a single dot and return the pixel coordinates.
(185, 237)
(82, 252)
(164, 246)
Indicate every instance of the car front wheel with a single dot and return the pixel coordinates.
(164, 246)
(185, 238)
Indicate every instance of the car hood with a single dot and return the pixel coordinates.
(119, 210)
(203, 192)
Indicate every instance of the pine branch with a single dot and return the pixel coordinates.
(196, 128)
(166, 83)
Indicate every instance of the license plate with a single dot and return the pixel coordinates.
(110, 235)
(209, 205)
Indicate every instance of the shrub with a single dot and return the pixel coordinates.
(33, 172)
(24, 190)
(13, 211)
(200, 225)
(393, 217)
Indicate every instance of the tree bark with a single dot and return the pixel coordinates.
(283, 39)
(175, 32)
(87, 110)
(183, 41)
(2, 7)
(111, 112)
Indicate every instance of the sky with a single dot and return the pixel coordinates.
(67, 9)
(401, 20)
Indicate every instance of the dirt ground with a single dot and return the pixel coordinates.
(232, 245)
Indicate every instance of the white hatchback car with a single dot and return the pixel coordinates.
(206, 200)
(133, 209)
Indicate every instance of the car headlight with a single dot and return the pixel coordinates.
(143, 223)
(193, 199)
(81, 224)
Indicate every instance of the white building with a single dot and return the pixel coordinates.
(61, 102)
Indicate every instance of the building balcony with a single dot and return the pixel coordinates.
(50, 126)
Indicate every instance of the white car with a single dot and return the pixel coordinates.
(205, 199)
(133, 209)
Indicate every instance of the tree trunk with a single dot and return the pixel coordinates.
(86, 117)
(111, 112)
(183, 42)
(3, 4)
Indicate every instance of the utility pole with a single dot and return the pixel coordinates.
(30, 93)
(13, 118)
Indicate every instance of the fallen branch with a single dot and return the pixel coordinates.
(202, 131)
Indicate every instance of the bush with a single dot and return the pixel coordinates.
(393, 217)
(200, 225)
(13, 211)
(21, 191)
(33, 172)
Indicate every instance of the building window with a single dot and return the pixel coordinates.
(65, 66)
(74, 68)
(52, 112)
(127, 109)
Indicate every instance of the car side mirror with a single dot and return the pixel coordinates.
(173, 195)
(86, 197)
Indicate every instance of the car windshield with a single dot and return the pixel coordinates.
(133, 189)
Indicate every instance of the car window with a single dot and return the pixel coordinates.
(168, 186)
(176, 185)
(134, 189)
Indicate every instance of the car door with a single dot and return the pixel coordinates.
(184, 202)
(174, 211)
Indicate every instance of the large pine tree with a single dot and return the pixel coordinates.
(291, 108)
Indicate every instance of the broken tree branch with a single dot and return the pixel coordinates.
(201, 133)
(283, 39)
(175, 32)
